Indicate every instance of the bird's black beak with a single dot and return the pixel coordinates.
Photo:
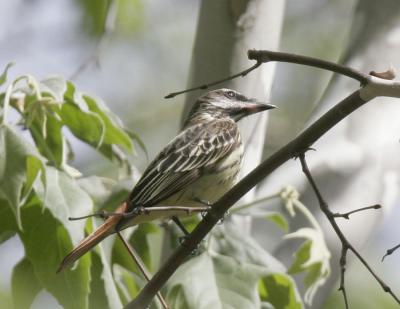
(253, 106)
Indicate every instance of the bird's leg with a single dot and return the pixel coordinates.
(186, 232)
(181, 226)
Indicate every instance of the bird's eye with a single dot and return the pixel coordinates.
(231, 94)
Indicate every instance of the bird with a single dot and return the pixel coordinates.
(198, 166)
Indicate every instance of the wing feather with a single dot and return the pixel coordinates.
(184, 160)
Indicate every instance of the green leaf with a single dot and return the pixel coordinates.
(14, 151)
(65, 198)
(138, 140)
(8, 223)
(111, 292)
(46, 242)
(55, 86)
(280, 291)
(130, 16)
(25, 285)
(225, 282)
(88, 127)
(50, 141)
(313, 257)
(93, 16)
(127, 283)
(34, 166)
(147, 240)
(227, 240)
(102, 252)
(100, 189)
(5, 300)
(3, 76)
(229, 275)
(97, 296)
(114, 134)
(279, 220)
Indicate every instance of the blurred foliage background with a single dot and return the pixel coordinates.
(134, 55)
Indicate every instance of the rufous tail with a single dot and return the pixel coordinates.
(104, 230)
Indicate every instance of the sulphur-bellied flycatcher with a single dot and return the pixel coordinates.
(200, 164)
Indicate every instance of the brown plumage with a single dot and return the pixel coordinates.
(200, 164)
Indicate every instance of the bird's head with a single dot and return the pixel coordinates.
(225, 103)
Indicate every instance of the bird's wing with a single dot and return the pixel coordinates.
(183, 160)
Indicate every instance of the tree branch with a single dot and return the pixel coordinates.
(264, 56)
(346, 246)
(372, 87)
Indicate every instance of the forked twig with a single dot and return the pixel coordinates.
(346, 245)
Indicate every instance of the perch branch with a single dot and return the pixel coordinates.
(265, 56)
(372, 87)
(346, 245)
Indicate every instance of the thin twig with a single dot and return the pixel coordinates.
(205, 86)
(346, 245)
(347, 214)
(342, 263)
(267, 56)
(141, 266)
(390, 251)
